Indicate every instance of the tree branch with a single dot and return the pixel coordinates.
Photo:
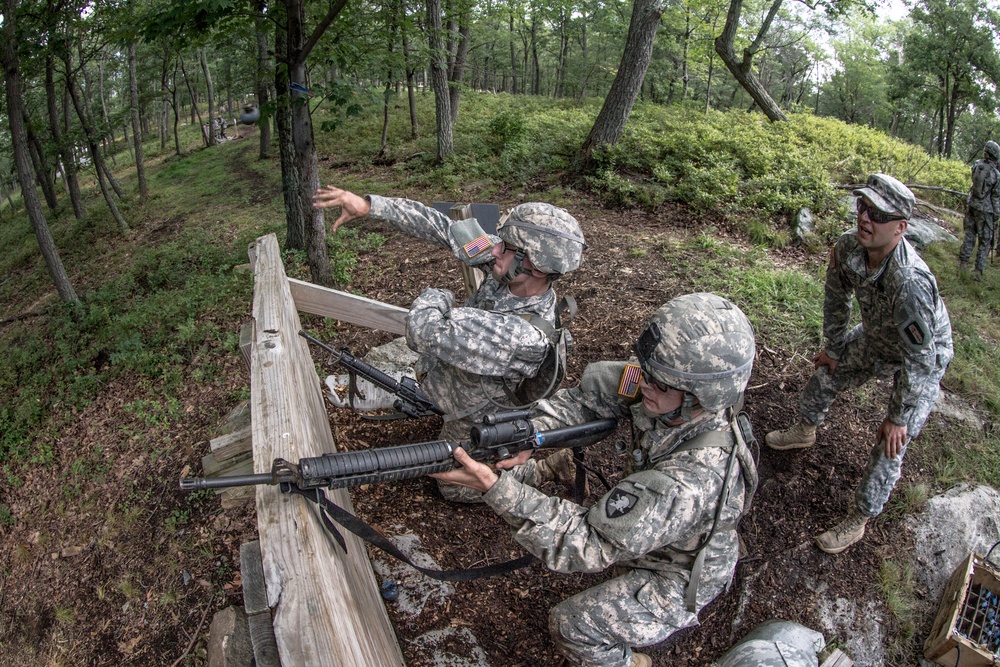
(320, 29)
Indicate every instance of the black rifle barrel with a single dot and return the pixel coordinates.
(375, 375)
(387, 464)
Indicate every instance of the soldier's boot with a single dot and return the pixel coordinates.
(799, 436)
(641, 660)
(963, 266)
(844, 534)
(561, 469)
(979, 275)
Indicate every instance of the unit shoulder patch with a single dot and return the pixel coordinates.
(620, 503)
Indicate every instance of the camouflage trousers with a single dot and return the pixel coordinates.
(978, 226)
(856, 367)
(598, 626)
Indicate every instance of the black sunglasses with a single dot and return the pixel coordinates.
(875, 215)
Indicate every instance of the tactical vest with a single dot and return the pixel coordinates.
(553, 369)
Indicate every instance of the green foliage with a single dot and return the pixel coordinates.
(6, 518)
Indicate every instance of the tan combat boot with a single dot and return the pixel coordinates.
(641, 660)
(979, 275)
(844, 534)
(963, 266)
(561, 469)
(799, 436)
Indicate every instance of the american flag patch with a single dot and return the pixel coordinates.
(473, 248)
(629, 385)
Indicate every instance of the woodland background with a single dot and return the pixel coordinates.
(685, 136)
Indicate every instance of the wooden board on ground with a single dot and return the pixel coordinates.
(318, 300)
(327, 609)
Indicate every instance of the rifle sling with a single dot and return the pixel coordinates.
(332, 512)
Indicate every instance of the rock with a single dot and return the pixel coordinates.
(803, 224)
(959, 521)
(229, 639)
(859, 622)
(956, 408)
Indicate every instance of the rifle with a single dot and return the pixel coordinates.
(502, 435)
(410, 400)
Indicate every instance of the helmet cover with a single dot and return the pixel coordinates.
(550, 236)
(701, 344)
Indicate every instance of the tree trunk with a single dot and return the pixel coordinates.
(306, 162)
(439, 81)
(19, 139)
(264, 123)
(625, 88)
(206, 136)
(41, 165)
(66, 157)
(742, 70)
(133, 93)
(410, 76)
(513, 54)
(295, 226)
(95, 153)
(456, 70)
(211, 96)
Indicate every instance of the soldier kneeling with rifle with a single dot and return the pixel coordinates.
(672, 522)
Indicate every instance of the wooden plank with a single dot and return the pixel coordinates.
(327, 609)
(246, 341)
(229, 445)
(318, 300)
(265, 649)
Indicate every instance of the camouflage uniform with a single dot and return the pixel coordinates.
(776, 644)
(668, 503)
(983, 206)
(904, 332)
(466, 350)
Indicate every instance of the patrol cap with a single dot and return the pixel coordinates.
(888, 195)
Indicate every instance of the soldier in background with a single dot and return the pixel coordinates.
(981, 214)
(905, 332)
(503, 347)
(669, 527)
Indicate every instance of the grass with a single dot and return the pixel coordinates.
(898, 589)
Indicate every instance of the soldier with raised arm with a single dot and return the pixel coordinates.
(504, 346)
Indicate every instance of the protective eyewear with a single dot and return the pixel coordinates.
(648, 379)
(504, 248)
(875, 215)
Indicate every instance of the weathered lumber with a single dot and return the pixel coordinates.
(318, 300)
(265, 648)
(229, 445)
(326, 606)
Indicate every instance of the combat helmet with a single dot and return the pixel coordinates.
(992, 149)
(549, 236)
(702, 345)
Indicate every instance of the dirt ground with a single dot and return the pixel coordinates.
(123, 570)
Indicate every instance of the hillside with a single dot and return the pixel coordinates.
(104, 562)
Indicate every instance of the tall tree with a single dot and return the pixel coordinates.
(439, 80)
(19, 141)
(953, 43)
(625, 88)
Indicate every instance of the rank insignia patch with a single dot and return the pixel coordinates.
(629, 384)
(473, 248)
(620, 503)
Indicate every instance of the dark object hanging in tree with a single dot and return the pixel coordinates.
(249, 115)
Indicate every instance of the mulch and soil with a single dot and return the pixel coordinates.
(122, 569)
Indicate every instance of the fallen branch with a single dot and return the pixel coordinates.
(24, 316)
(937, 189)
(939, 209)
(194, 637)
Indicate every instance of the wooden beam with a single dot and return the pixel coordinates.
(318, 300)
(472, 278)
(326, 605)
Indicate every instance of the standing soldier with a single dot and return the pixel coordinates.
(904, 332)
(504, 347)
(981, 214)
(670, 526)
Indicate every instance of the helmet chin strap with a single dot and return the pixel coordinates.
(515, 269)
(683, 410)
